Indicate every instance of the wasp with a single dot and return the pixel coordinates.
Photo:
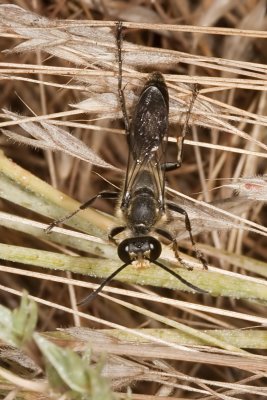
(143, 206)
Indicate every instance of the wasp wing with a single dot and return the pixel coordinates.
(147, 138)
(150, 119)
(207, 217)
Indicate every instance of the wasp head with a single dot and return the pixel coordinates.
(138, 249)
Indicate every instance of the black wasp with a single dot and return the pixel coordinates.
(143, 206)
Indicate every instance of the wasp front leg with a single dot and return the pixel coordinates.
(167, 235)
(174, 207)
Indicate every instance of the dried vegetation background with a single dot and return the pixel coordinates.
(59, 84)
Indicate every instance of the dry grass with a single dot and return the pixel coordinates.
(59, 76)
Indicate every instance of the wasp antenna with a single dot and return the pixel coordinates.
(92, 295)
(184, 281)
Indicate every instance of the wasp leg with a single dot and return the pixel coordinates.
(101, 195)
(170, 166)
(114, 232)
(186, 127)
(167, 235)
(119, 41)
(199, 254)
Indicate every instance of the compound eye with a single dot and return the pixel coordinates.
(155, 249)
(123, 251)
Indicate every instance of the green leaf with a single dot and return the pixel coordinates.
(25, 318)
(68, 365)
(75, 372)
(16, 327)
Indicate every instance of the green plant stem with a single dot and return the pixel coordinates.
(215, 283)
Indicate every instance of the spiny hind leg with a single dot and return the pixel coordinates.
(119, 41)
